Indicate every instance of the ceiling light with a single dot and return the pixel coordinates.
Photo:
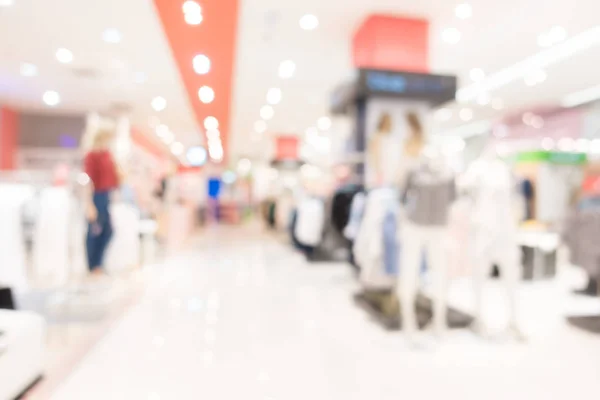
(168, 137)
(483, 99)
(216, 152)
(162, 131)
(451, 35)
(543, 59)
(211, 123)
(51, 98)
(260, 126)
(309, 22)
(557, 34)
(267, 112)
(477, 74)
(177, 148)
(581, 97)
(111, 35)
(196, 156)
(64, 56)
(206, 94)
(159, 103)
(193, 19)
(527, 118)
(213, 135)
(566, 144)
(29, 70)
(274, 96)
(535, 77)
(497, 104)
(537, 122)
(548, 144)
(443, 114)
(287, 69)
(582, 145)
(463, 11)
(191, 7)
(201, 64)
(466, 114)
(140, 77)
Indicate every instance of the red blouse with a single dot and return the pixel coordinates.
(100, 167)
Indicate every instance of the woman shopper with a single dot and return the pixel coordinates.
(102, 171)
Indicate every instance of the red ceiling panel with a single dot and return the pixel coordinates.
(216, 38)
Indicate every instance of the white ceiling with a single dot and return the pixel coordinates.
(498, 35)
(37, 28)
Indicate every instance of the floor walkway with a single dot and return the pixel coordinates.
(244, 317)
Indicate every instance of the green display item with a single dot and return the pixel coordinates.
(552, 157)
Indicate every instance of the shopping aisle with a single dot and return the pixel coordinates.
(243, 317)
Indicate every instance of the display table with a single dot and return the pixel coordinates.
(21, 351)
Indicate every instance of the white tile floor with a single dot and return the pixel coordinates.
(243, 317)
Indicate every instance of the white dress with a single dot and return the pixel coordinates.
(12, 249)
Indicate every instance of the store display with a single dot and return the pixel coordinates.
(22, 339)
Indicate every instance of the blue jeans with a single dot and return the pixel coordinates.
(99, 232)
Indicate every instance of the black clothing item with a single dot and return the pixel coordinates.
(7, 301)
(341, 204)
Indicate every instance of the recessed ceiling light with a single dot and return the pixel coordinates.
(111, 35)
(159, 103)
(443, 114)
(191, 7)
(451, 35)
(193, 19)
(260, 126)
(463, 11)
(6, 3)
(497, 104)
(287, 69)
(177, 148)
(527, 118)
(566, 144)
(274, 96)
(28, 69)
(466, 114)
(324, 123)
(162, 130)
(211, 123)
(206, 94)
(213, 134)
(140, 77)
(537, 122)
(483, 99)
(309, 22)
(267, 112)
(64, 56)
(201, 64)
(51, 98)
(168, 137)
(476, 74)
(548, 143)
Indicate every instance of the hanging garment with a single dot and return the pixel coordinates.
(310, 221)
(51, 245)
(357, 210)
(341, 205)
(12, 249)
(369, 244)
(124, 249)
(460, 238)
(581, 233)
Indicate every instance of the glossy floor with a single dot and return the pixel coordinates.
(244, 317)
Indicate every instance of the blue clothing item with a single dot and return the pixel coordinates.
(99, 232)
(391, 248)
(589, 203)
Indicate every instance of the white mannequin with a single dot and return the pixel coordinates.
(420, 235)
(495, 229)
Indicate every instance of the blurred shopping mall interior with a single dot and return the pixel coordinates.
(284, 199)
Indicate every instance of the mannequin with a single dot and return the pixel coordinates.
(429, 192)
(495, 227)
(391, 156)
